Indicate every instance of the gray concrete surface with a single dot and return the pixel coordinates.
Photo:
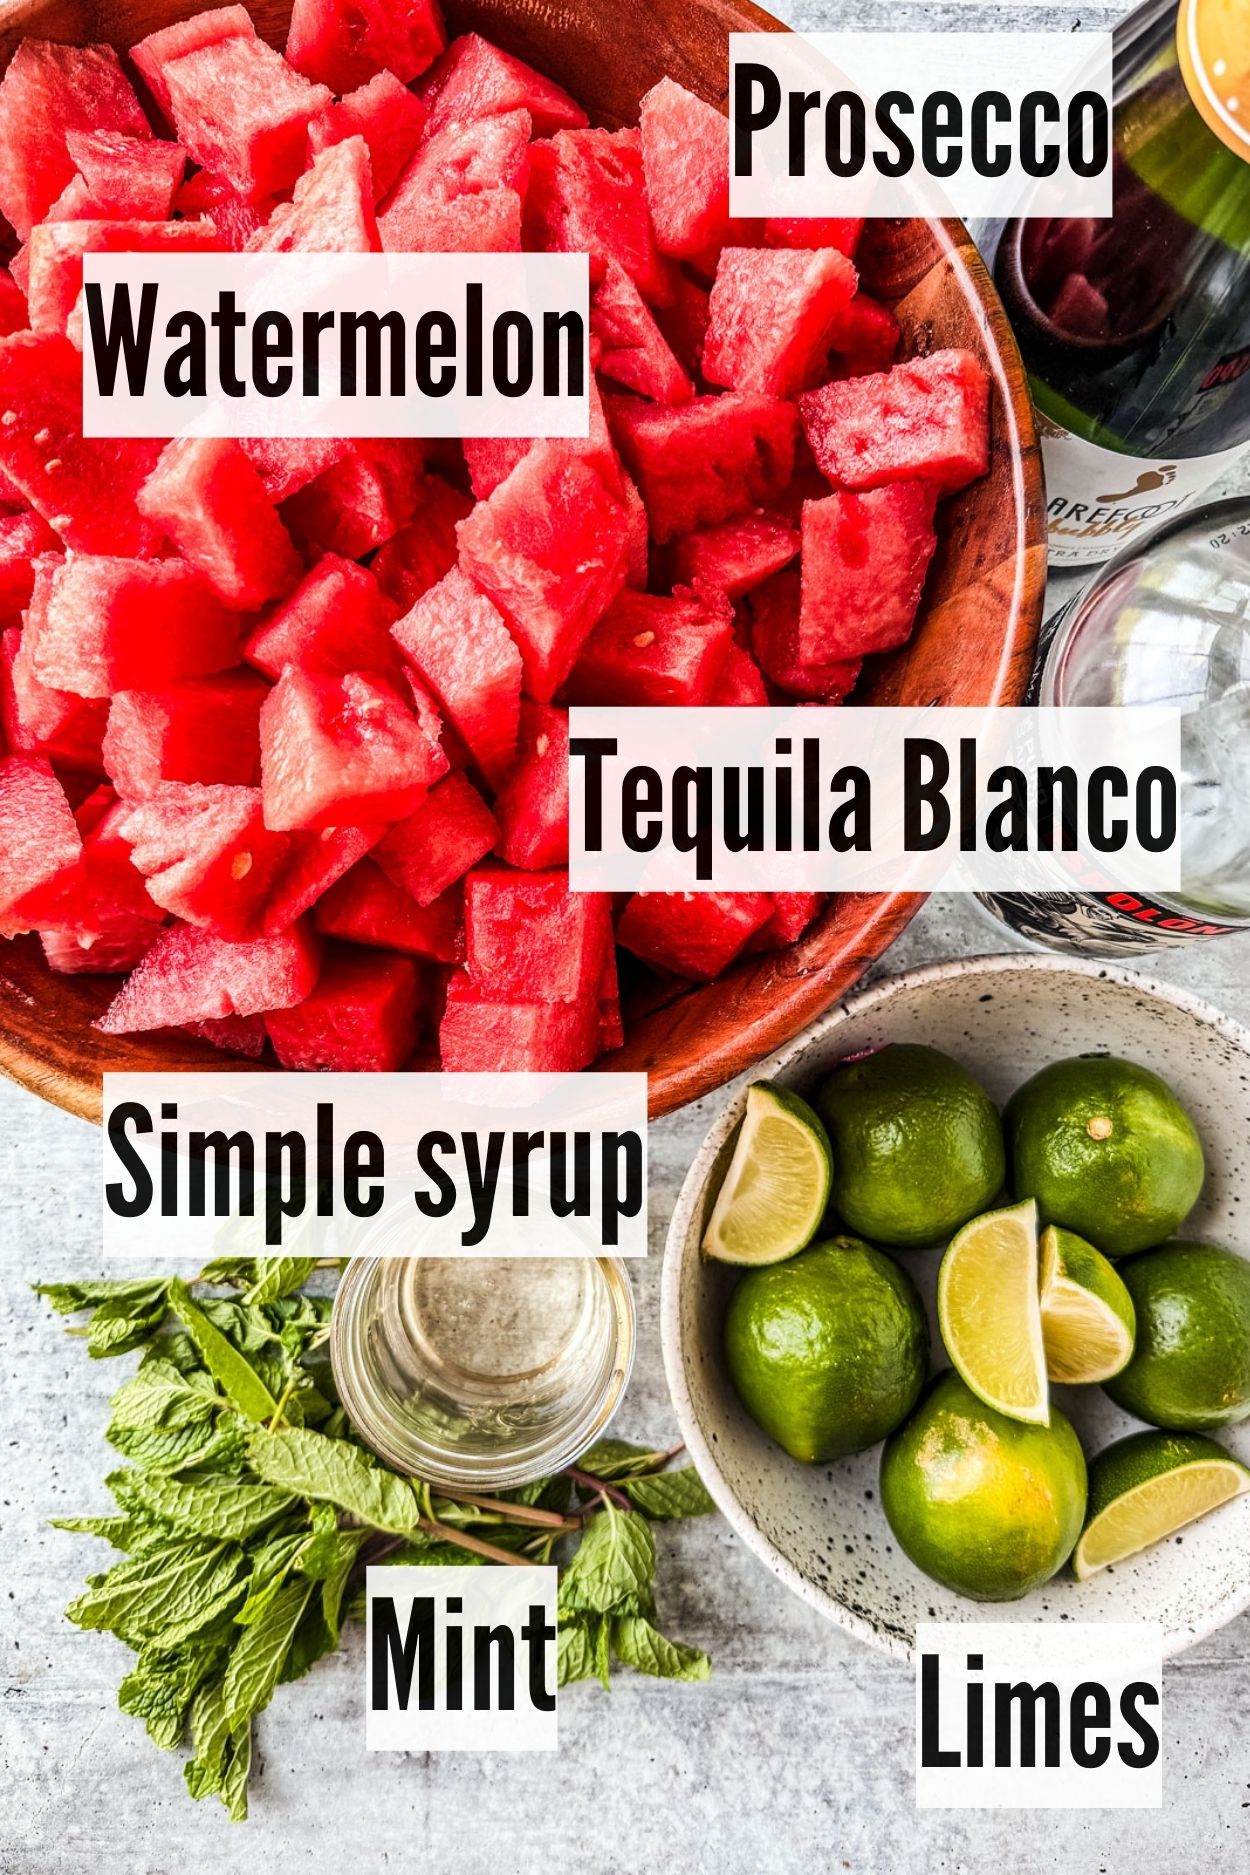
(794, 1760)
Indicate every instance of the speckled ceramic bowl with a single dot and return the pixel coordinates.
(821, 1529)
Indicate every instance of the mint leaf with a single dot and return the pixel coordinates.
(154, 1593)
(160, 1688)
(120, 1325)
(610, 1459)
(254, 1666)
(278, 1276)
(575, 1651)
(330, 1471)
(230, 1369)
(614, 1565)
(639, 1645)
(208, 1506)
(125, 1533)
(665, 1495)
(68, 1298)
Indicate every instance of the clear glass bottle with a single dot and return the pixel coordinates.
(482, 1373)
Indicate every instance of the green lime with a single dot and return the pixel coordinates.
(1106, 1149)
(917, 1145)
(984, 1504)
(777, 1186)
(1190, 1370)
(1143, 1488)
(1088, 1320)
(988, 1311)
(829, 1350)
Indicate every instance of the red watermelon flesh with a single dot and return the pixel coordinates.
(234, 217)
(475, 79)
(774, 610)
(416, 558)
(97, 624)
(491, 460)
(864, 338)
(206, 853)
(240, 110)
(461, 648)
(772, 314)
(651, 651)
(791, 915)
(84, 487)
(334, 622)
(842, 232)
(368, 908)
(47, 91)
(314, 862)
(586, 196)
(360, 501)
(451, 831)
(99, 917)
(129, 178)
(487, 1032)
(387, 115)
(38, 834)
(234, 1035)
(611, 1027)
(119, 948)
(42, 721)
(527, 935)
(210, 501)
(362, 1017)
(635, 352)
(342, 43)
(206, 729)
(159, 49)
(685, 152)
(695, 934)
(734, 557)
(927, 419)
(462, 168)
(863, 569)
(191, 976)
(489, 223)
(739, 683)
(532, 806)
(705, 461)
(57, 247)
(638, 540)
(550, 548)
(22, 537)
(342, 750)
(331, 211)
(684, 323)
(14, 313)
(286, 464)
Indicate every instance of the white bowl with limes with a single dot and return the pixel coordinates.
(820, 1528)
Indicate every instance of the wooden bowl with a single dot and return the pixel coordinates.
(974, 643)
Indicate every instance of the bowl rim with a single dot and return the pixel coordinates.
(701, 1451)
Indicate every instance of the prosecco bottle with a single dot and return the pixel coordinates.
(1135, 331)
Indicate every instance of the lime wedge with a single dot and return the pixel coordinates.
(1143, 1488)
(1088, 1321)
(989, 1313)
(777, 1185)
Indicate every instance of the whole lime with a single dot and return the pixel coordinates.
(988, 1506)
(829, 1350)
(1190, 1369)
(1106, 1149)
(917, 1145)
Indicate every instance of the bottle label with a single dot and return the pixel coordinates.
(1101, 924)
(1099, 500)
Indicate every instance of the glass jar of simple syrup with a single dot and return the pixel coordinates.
(482, 1373)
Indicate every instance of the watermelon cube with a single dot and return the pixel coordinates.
(550, 548)
(774, 610)
(705, 461)
(206, 854)
(739, 683)
(772, 314)
(207, 497)
(840, 231)
(240, 110)
(38, 834)
(491, 460)
(369, 908)
(47, 91)
(362, 499)
(427, 223)
(685, 152)
(14, 313)
(731, 559)
(927, 419)
(864, 338)
(362, 1017)
(314, 862)
(695, 934)
(451, 831)
(532, 806)
(389, 118)
(334, 622)
(458, 176)
(342, 750)
(587, 196)
(459, 645)
(128, 178)
(191, 976)
(84, 487)
(234, 217)
(416, 558)
(527, 935)
(38, 720)
(684, 323)
(110, 952)
(792, 913)
(206, 729)
(484, 1031)
(475, 79)
(286, 464)
(55, 254)
(863, 568)
(331, 211)
(96, 916)
(234, 1035)
(342, 43)
(638, 539)
(635, 352)
(647, 651)
(159, 49)
(98, 623)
